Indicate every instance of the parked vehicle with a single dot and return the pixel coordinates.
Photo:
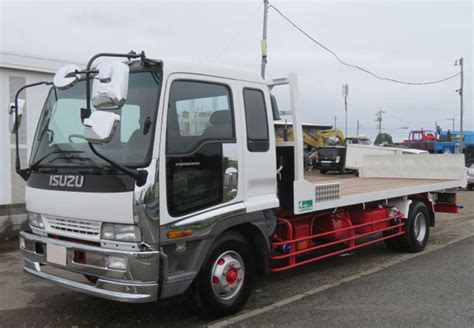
(470, 177)
(455, 136)
(427, 140)
(156, 178)
(331, 158)
(469, 155)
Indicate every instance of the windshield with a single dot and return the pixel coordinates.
(59, 138)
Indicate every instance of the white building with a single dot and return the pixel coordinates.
(17, 70)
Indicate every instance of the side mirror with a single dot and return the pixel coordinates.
(15, 123)
(66, 77)
(110, 87)
(100, 127)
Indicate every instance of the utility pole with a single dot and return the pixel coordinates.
(460, 62)
(379, 119)
(454, 121)
(263, 43)
(335, 122)
(358, 127)
(345, 93)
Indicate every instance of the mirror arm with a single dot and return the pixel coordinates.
(86, 112)
(24, 173)
(140, 176)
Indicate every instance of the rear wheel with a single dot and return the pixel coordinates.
(323, 171)
(225, 281)
(417, 230)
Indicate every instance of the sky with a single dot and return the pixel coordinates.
(414, 41)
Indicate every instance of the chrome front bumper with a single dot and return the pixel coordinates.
(137, 283)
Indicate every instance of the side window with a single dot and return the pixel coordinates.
(198, 112)
(199, 124)
(257, 122)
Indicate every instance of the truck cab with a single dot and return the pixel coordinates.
(203, 135)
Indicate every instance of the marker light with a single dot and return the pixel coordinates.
(179, 233)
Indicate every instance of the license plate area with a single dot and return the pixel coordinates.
(56, 254)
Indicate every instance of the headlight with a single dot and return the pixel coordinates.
(121, 232)
(338, 158)
(35, 220)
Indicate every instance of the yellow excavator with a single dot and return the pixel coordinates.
(320, 139)
(324, 138)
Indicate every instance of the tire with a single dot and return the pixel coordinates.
(323, 171)
(210, 294)
(417, 230)
(392, 244)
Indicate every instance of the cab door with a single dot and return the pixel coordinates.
(259, 161)
(200, 150)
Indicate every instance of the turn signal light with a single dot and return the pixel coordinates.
(179, 233)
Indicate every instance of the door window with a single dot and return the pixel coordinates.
(199, 122)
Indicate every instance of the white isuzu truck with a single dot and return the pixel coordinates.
(149, 179)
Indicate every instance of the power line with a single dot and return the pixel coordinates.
(245, 27)
(356, 66)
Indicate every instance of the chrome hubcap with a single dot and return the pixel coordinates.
(228, 275)
(419, 227)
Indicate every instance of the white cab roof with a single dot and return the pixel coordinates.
(171, 66)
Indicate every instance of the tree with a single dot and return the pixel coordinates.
(383, 138)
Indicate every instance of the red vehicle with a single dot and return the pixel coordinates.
(421, 139)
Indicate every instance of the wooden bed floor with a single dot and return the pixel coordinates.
(351, 185)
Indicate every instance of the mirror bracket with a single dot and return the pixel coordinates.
(88, 72)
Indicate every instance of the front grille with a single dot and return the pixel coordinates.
(72, 226)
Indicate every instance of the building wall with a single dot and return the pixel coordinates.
(11, 185)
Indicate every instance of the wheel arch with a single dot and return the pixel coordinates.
(405, 205)
(259, 242)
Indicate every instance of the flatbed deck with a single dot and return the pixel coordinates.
(355, 185)
(357, 190)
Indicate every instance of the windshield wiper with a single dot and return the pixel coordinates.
(57, 151)
(87, 159)
(140, 176)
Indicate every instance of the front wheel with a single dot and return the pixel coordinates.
(225, 281)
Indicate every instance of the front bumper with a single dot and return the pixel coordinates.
(137, 283)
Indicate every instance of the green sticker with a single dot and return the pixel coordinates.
(305, 205)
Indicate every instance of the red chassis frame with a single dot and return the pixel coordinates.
(294, 236)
